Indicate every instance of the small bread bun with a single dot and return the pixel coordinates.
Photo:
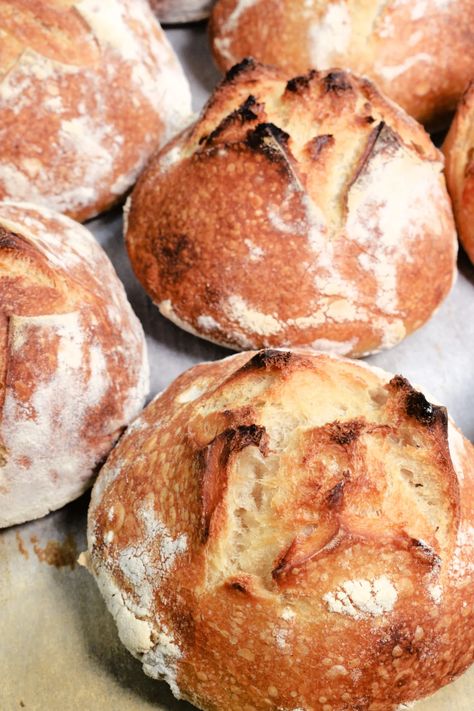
(73, 362)
(458, 149)
(177, 11)
(418, 52)
(88, 90)
(301, 212)
(285, 530)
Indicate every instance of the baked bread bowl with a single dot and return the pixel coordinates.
(178, 11)
(304, 211)
(73, 361)
(88, 90)
(418, 52)
(458, 149)
(286, 530)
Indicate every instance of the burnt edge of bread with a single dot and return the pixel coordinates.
(269, 139)
(245, 65)
(418, 407)
(301, 82)
(338, 82)
(243, 114)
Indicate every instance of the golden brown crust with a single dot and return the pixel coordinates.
(87, 92)
(458, 149)
(276, 218)
(418, 52)
(73, 364)
(317, 552)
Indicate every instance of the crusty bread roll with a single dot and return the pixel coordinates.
(73, 362)
(88, 90)
(285, 530)
(177, 11)
(458, 149)
(301, 212)
(418, 52)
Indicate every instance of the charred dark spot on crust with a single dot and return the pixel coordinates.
(268, 139)
(237, 585)
(336, 495)
(318, 144)
(344, 433)
(301, 82)
(417, 406)
(213, 464)
(425, 553)
(244, 436)
(337, 82)
(175, 254)
(243, 114)
(245, 65)
(269, 359)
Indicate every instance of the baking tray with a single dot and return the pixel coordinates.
(59, 648)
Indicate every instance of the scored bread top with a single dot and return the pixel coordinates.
(88, 90)
(280, 526)
(458, 149)
(73, 361)
(418, 52)
(302, 212)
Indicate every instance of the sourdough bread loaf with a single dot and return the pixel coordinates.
(88, 90)
(418, 52)
(73, 362)
(458, 149)
(304, 211)
(286, 530)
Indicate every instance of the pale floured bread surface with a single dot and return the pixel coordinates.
(177, 11)
(88, 90)
(285, 530)
(302, 212)
(458, 149)
(73, 361)
(418, 52)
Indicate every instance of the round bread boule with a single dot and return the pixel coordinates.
(177, 11)
(280, 526)
(458, 149)
(418, 52)
(88, 90)
(73, 361)
(301, 212)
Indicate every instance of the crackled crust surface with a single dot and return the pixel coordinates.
(285, 530)
(300, 212)
(458, 149)
(88, 90)
(73, 362)
(418, 52)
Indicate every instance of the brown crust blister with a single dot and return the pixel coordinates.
(281, 183)
(422, 61)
